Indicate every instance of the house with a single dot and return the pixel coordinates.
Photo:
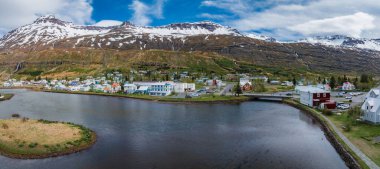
(184, 87)
(348, 86)
(245, 84)
(263, 78)
(116, 87)
(275, 82)
(313, 96)
(287, 83)
(130, 88)
(215, 82)
(324, 87)
(371, 107)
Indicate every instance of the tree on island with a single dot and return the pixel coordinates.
(294, 81)
(237, 89)
(332, 82)
(324, 81)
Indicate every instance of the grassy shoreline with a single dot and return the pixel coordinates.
(37, 139)
(361, 134)
(350, 157)
(204, 99)
(7, 97)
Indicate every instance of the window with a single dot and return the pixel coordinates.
(318, 95)
(324, 94)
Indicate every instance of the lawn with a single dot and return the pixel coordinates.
(26, 138)
(361, 134)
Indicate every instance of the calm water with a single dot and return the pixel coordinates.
(141, 134)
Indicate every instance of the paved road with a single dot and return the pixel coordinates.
(227, 89)
(357, 151)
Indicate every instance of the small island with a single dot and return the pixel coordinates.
(4, 97)
(25, 138)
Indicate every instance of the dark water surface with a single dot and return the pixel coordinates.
(142, 134)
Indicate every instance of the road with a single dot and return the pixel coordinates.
(226, 89)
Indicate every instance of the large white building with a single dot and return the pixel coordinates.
(184, 87)
(313, 96)
(371, 107)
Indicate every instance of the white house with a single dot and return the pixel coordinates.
(129, 88)
(371, 107)
(348, 86)
(184, 87)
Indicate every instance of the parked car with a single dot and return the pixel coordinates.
(349, 97)
(343, 106)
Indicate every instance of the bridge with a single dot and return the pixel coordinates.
(267, 96)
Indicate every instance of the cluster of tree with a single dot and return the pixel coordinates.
(258, 85)
(362, 83)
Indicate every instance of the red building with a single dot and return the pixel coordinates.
(314, 97)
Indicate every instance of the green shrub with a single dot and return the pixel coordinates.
(33, 145)
(327, 112)
(347, 127)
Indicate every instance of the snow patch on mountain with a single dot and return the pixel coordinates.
(344, 42)
(261, 37)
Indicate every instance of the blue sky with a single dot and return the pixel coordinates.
(281, 19)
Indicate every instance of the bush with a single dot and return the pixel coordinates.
(327, 112)
(15, 115)
(32, 145)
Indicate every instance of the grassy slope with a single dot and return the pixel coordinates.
(93, 62)
(361, 135)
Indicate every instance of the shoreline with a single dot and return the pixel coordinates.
(234, 99)
(74, 150)
(351, 159)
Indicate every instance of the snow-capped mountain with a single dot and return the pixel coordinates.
(344, 42)
(48, 30)
(261, 37)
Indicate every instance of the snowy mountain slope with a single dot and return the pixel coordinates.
(48, 30)
(344, 42)
(261, 37)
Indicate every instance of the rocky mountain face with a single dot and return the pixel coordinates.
(335, 53)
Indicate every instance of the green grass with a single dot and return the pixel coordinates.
(361, 134)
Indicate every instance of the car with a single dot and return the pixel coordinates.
(349, 97)
(289, 94)
(343, 106)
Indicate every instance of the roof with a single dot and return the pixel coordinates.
(311, 89)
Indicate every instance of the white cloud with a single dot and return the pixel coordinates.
(281, 18)
(106, 23)
(143, 13)
(350, 25)
(213, 16)
(15, 13)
